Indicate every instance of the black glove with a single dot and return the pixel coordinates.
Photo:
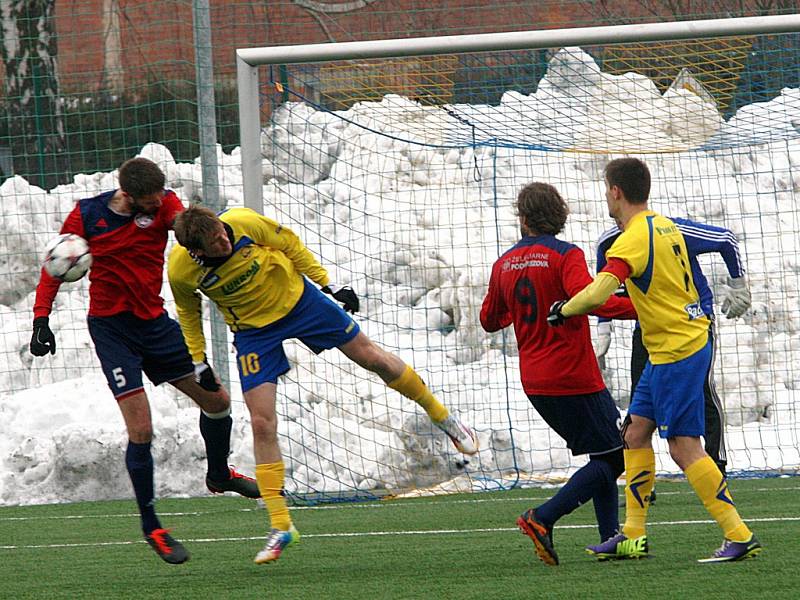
(554, 317)
(346, 296)
(42, 340)
(204, 375)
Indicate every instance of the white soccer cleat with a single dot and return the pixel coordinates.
(463, 438)
(277, 540)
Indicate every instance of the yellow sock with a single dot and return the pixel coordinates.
(712, 488)
(640, 474)
(270, 477)
(411, 386)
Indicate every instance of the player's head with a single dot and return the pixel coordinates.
(142, 182)
(541, 209)
(627, 179)
(201, 232)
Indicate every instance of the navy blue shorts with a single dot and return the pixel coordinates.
(315, 320)
(673, 395)
(589, 423)
(127, 345)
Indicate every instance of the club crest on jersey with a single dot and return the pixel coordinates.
(246, 252)
(143, 221)
(209, 280)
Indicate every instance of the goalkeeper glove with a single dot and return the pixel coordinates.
(205, 377)
(737, 300)
(554, 317)
(345, 295)
(42, 340)
(604, 329)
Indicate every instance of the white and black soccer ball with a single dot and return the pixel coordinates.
(67, 257)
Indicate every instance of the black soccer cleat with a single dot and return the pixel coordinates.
(238, 483)
(167, 547)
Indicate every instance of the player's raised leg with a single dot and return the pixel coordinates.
(405, 380)
(215, 428)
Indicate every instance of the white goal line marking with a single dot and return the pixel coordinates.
(381, 533)
(389, 503)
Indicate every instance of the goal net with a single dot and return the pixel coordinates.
(401, 172)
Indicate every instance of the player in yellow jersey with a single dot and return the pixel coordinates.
(650, 257)
(257, 272)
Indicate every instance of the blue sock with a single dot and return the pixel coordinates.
(139, 462)
(593, 480)
(217, 437)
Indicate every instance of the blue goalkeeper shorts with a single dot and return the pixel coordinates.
(672, 395)
(315, 320)
(127, 345)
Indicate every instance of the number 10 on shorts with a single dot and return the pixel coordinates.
(248, 364)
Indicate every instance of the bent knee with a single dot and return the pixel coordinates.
(264, 426)
(140, 435)
(214, 402)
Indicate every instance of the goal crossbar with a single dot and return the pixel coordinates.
(519, 40)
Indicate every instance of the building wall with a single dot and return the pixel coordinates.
(157, 38)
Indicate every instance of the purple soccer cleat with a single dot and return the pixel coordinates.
(732, 551)
(620, 547)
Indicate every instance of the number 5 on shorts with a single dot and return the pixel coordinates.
(119, 377)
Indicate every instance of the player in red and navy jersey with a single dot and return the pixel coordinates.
(559, 371)
(127, 233)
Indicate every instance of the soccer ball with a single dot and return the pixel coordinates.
(67, 257)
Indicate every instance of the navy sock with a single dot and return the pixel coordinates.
(217, 437)
(606, 498)
(593, 480)
(139, 461)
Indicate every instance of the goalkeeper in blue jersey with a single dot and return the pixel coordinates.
(700, 239)
(257, 272)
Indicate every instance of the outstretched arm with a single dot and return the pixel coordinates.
(576, 279)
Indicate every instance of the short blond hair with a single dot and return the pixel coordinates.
(194, 226)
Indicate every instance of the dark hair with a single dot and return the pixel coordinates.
(194, 226)
(630, 175)
(139, 177)
(542, 208)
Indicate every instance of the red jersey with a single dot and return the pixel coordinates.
(525, 282)
(127, 258)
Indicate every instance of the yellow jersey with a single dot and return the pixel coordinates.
(260, 283)
(661, 287)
